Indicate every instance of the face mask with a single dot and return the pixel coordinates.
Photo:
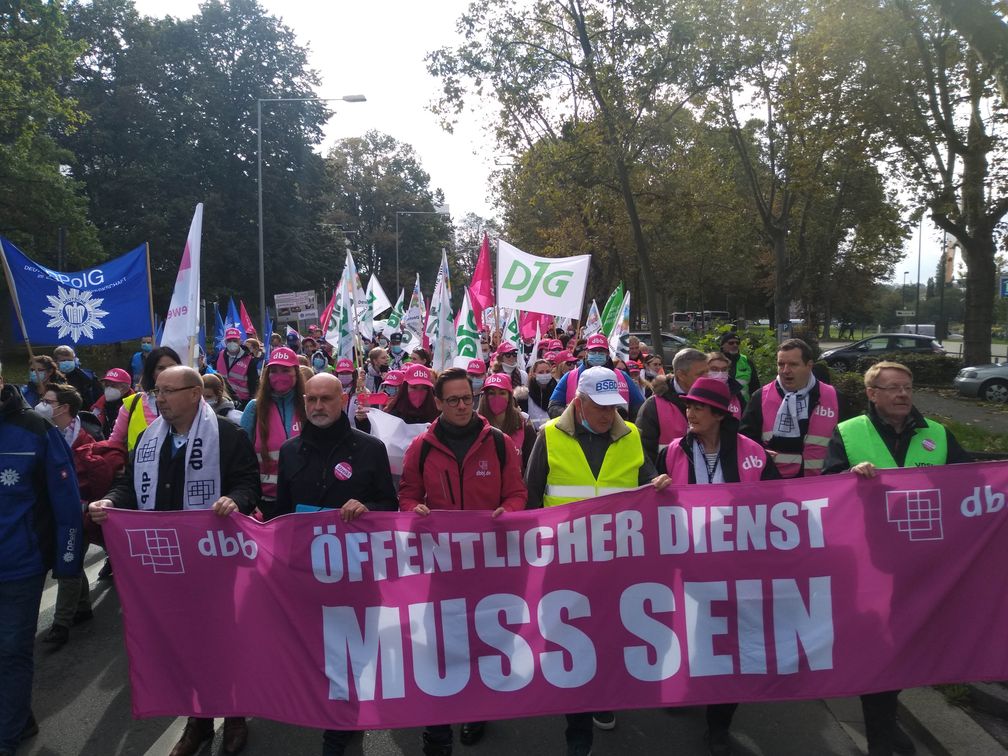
(486, 352)
(45, 410)
(319, 365)
(390, 390)
(543, 379)
(383, 368)
(346, 379)
(498, 404)
(213, 402)
(145, 347)
(650, 374)
(36, 376)
(718, 375)
(67, 366)
(281, 383)
(396, 349)
(477, 384)
(233, 347)
(596, 358)
(416, 398)
(584, 424)
(112, 394)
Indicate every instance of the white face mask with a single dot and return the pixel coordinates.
(45, 410)
(233, 347)
(718, 375)
(112, 394)
(543, 378)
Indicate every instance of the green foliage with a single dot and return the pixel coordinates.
(851, 385)
(927, 369)
(975, 439)
(758, 344)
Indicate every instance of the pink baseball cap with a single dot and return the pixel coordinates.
(283, 357)
(506, 347)
(416, 374)
(344, 366)
(117, 375)
(393, 378)
(498, 381)
(476, 367)
(597, 341)
(550, 357)
(232, 333)
(565, 356)
(554, 345)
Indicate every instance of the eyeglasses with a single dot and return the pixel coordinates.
(156, 392)
(50, 402)
(895, 389)
(454, 401)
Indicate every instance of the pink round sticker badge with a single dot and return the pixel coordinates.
(343, 471)
(928, 444)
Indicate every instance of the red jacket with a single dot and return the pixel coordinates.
(97, 463)
(482, 484)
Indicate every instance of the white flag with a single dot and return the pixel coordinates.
(593, 323)
(395, 434)
(511, 330)
(619, 339)
(413, 319)
(440, 329)
(181, 330)
(377, 297)
(467, 339)
(552, 286)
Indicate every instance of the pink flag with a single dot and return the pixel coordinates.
(806, 588)
(327, 313)
(481, 292)
(246, 321)
(528, 321)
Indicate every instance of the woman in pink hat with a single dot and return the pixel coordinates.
(117, 385)
(500, 409)
(414, 401)
(541, 382)
(276, 414)
(506, 360)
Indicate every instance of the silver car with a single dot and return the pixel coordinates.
(988, 382)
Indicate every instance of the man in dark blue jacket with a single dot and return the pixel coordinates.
(40, 529)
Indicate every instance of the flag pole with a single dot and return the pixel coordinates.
(150, 292)
(17, 303)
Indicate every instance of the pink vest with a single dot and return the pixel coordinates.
(518, 438)
(236, 375)
(822, 421)
(750, 458)
(269, 461)
(735, 407)
(621, 386)
(671, 421)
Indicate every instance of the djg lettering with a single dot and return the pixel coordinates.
(532, 280)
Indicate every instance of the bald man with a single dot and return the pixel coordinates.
(193, 459)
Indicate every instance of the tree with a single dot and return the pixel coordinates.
(987, 33)
(559, 62)
(36, 196)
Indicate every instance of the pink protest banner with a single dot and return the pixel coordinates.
(794, 589)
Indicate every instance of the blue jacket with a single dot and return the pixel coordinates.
(560, 392)
(41, 524)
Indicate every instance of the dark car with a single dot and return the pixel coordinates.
(670, 344)
(846, 357)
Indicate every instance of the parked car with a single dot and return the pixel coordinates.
(846, 357)
(988, 382)
(670, 344)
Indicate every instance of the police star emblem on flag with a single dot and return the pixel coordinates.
(74, 312)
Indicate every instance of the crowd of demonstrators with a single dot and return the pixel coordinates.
(559, 433)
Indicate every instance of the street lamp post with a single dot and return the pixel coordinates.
(903, 290)
(259, 102)
(441, 210)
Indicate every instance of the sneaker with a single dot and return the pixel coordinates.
(82, 616)
(901, 742)
(57, 636)
(718, 743)
(604, 720)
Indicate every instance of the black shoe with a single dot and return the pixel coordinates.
(578, 749)
(105, 573)
(472, 733)
(718, 743)
(57, 636)
(901, 742)
(604, 720)
(82, 616)
(31, 727)
(434, 748)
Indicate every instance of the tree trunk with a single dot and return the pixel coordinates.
(981, 277)
(782, 302)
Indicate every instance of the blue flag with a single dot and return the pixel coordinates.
(218, 341)
(100, 305)
(267, 333)
(234, 319)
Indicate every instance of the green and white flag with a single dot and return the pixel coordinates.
(377, 297)
(395, 317)
(440, 328)
(611, 310)
(413, 319)
(466, 334)
(552, 286)
(619, 338)
(593, 323)
(511, 331)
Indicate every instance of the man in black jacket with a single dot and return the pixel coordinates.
(333, 466)
(189, 458)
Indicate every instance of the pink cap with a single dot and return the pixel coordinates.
(565, 356)
(344, 366)
(633, 366)
(498, 381)
(506, 347)
(393, 378)
(554, 345)
(416, 374)
(283, 357)
(232, 333)
(597, 341)
(117, 375)
(550, 357)
(476, 367)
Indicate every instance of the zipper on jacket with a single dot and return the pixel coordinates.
(448, 485)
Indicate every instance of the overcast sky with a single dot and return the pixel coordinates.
(377, 48)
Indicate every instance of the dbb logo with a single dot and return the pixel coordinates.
(824, 411)
(752, 462)
(521, 278)
(219, 544)
(973, 505)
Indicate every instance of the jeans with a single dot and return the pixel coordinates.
(72, 595)
(19, 609)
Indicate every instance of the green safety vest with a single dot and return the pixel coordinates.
(570, 478)
(743, 374)
(929, 446)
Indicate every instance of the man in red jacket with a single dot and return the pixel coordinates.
(460, 462)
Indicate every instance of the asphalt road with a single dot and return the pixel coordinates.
(82, 702)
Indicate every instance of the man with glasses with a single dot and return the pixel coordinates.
(189, 458)
(459, 462)
(742, 370)
(892, 434)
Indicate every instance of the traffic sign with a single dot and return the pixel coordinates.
(904, 313)
(1004, 287)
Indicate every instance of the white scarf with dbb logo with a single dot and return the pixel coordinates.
(202, 462)
(793, 409)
